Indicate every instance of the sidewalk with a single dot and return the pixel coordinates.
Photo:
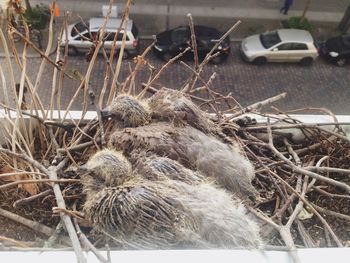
(250, 9)
(153, 16)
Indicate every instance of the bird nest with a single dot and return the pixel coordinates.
(160, 168)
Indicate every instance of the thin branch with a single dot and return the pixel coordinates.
(9, 185)
(303, 171)
(259, 104)
(24, 201)
(29, 223)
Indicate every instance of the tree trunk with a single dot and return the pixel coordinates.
(304, 11)
(345, 22)
(28, 6)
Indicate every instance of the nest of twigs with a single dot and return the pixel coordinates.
(172, 154)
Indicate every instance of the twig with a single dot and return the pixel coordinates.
(328, 169)
(99, 117)
(52, 174)
(59, 230)
(191, 83)
(214, 107)
(149, 84)
(84, 240)
(298, 125)
(154, 90)
(15, 242)
(193, 40)
(124, 22)
(9, 185)
(301, 197)
(208, 57)
(31, 198)
(303, 171)
(331, 213)
(74, 214)
(319, 190)
(79, 146)
(259, 104)
(140, 61)
(29, 223)
(42, 54)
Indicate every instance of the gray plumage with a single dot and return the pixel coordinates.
(161, 168)
(159, 214)
(174, 106)
(195, 150)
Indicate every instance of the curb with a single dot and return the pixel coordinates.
(53, 51)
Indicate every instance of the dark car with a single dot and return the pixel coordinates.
(337, 50)
(172, 42)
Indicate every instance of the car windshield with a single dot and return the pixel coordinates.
(270, 39)
(180, 35)
(79, 28)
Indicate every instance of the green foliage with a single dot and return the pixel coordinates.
(37, 17)
(294, 22)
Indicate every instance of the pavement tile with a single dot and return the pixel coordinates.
(320, 85)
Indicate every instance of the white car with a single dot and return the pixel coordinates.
(81, 36)
(282, 45)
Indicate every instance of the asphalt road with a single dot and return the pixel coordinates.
(320, 85)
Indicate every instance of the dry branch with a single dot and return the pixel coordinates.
(259, 104)
(29, 223)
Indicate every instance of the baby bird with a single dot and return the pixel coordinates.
(193, 149)
(128, 110)
(172, 105)
(162, 214)
(107, 168)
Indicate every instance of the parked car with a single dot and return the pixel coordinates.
(282, 45)
(81, 36)
(172, 42)
(337, 50)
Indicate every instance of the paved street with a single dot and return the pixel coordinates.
(321, 85)
(256, 15)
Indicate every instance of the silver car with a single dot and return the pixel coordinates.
(81, 36)
(282, 45)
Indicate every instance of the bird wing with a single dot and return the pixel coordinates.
(140, 216)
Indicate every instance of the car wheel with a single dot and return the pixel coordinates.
(72, 51)
(306, 61)
(341, 62)
(167, 56)
(260, 61)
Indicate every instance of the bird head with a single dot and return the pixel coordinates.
(128, 110)
(106, 168)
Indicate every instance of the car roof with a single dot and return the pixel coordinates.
(294, 35)
(112, 24)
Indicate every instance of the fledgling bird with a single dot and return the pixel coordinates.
(106, 168)
(193, 149)
(173, 106)
(162, 214)
(128, 111)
